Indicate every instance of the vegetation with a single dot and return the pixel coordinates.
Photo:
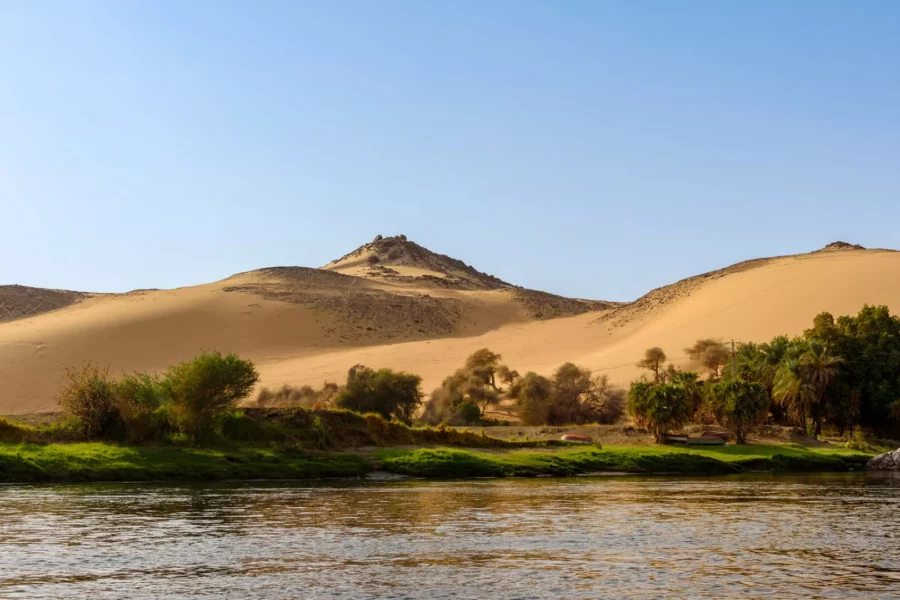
(659, 407)
(89, 395)
(572, 396)
(654, 359)
(739, 405)
(202, 390)
(843, 372)
(710, 354)
(305, 396)
(391, 394)
(452, 463)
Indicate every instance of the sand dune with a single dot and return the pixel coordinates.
(310, 325)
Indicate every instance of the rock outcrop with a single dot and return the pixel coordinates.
(889, 461)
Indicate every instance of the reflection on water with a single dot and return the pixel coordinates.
(834, 536)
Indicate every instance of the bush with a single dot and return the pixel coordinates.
(202, 390)
(659, 408)
(739, 406)
(305, 396)
(391, 394)
(468, 412)
(89, 395)
(138, 400)
(533, 393)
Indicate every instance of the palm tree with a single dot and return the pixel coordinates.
(820, 366)
(792, 387)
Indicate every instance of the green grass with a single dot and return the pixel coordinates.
(109, 462)
(97, 461)
(451, 463)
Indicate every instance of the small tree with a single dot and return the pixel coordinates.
(709, 353)
(653, 360)
(739, 406)
(659, 407)
(533, 394)
(89, 395)
(203, 389)
(391, 394)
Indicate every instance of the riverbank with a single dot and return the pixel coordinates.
(79, 462)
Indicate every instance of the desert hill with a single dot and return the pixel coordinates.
(305, 325)
(406, 294)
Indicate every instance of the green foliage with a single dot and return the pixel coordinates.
(740, 406)
(468, 412)
(659, 407)
(139, 397)
(572, 396)
(391, 394)
(475, 383)
(89, 395)
(202, 390)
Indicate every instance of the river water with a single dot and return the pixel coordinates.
(823, 536)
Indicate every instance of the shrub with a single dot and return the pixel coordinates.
(658, 408)
(739, 406)
(391, 394)
(89, 395)
(305, 396)
(204, 389)
(533, 393)
(138, 399)
(468, 412)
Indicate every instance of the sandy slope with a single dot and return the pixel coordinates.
(301, 328)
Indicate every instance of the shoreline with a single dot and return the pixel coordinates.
(98, 462)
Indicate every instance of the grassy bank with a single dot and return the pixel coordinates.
(21, 463)
(447, 462)
(27, 462)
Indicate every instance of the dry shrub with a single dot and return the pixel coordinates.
(89, 395)
(305, 396)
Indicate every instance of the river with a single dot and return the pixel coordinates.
(765, 536)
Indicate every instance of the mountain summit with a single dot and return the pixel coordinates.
(400, 260)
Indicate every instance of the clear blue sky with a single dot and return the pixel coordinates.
(593, 149)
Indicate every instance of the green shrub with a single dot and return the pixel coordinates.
(202, 390)
(90, 396)
(468, 412)
(138, 400)
(391, 394)
(739, 406)
(659, 407)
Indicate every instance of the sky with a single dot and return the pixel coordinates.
(591, 149)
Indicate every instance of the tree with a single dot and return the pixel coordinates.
(693, 387)
(658, 407)
(203, 389)
(711, 354)
(507, 375)
(484, 365)
(793, 389)
(653, 360)
(820, 367)
(391, 394)
(739, 405)
(533, 395)
(475, 382)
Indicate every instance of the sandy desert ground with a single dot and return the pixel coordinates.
(392, 303)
